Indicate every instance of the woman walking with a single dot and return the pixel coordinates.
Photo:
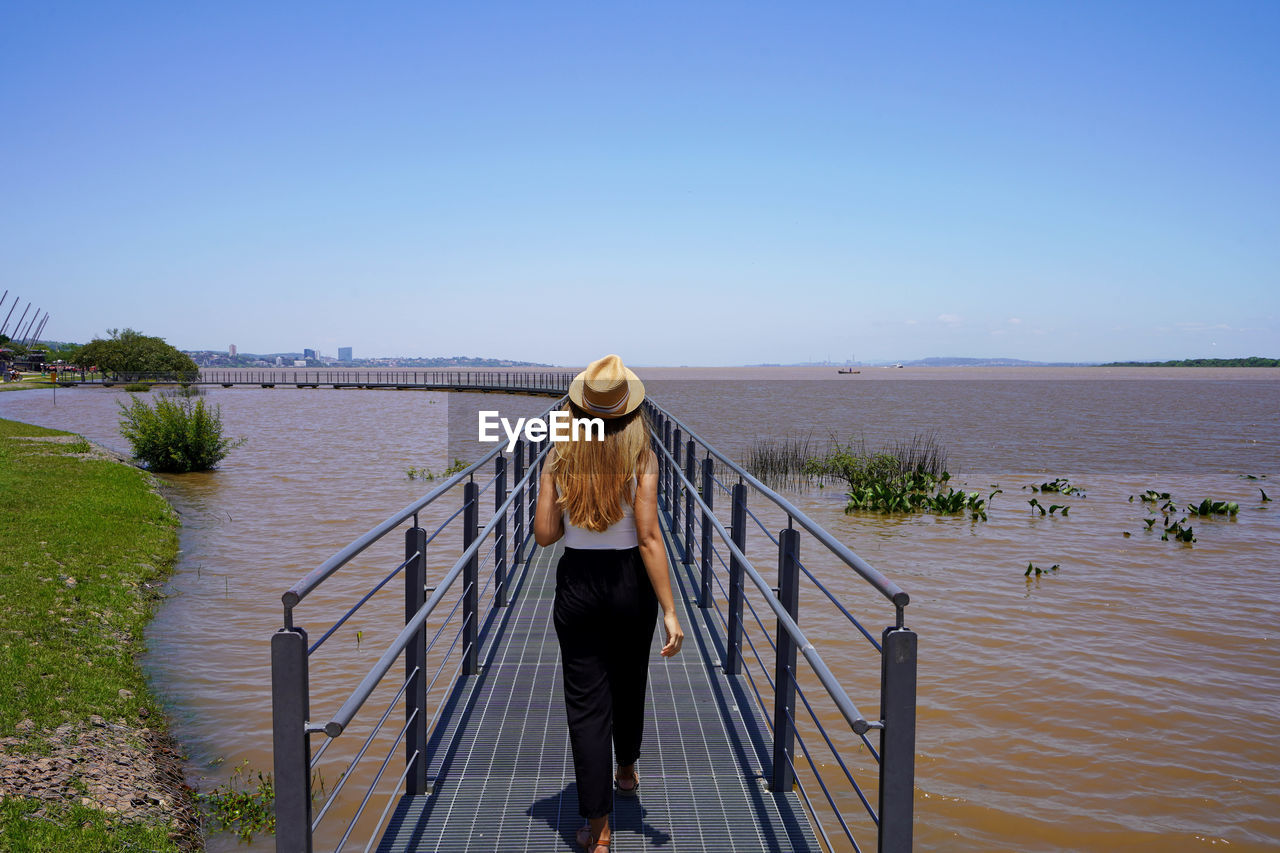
(602, 497)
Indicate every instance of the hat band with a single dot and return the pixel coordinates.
(607, 410)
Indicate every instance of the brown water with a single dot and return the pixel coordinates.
(1130, 701)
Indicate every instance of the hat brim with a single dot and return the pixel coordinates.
(635, 396)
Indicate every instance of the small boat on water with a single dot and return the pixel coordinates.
(847, 370)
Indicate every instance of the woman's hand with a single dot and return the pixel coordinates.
(675, 634)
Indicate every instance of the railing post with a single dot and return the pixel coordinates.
(733, 632)
(517, 475)
(415, 662)
(533, 481)
(676, 447)
(688, 504)
(500, 532)
(470, 580)
(897, 739)
(708, 497)
(666, 464)
(784, 694)
(290, 710)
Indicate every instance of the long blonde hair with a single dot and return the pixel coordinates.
(592, 476)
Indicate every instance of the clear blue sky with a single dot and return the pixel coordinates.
(552, 181)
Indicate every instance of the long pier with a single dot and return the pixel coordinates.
(751, 742)
(544, 383)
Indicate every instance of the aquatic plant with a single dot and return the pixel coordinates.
(1212, 507)
(138, 387)
(241, 806)
(1060, 485)
(1031, 567)
(425, 473)
(1051, 509)
(186, 390)
(793, 461)
(1179, 532)
(1264, 496)
(780, 464)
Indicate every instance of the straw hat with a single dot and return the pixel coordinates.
(607, 389)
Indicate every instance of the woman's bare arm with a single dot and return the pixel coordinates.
(548, 522)
(654, 553)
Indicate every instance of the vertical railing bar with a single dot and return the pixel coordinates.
(897, 739)
(687, 557)
(738, 532)
(500, 532)
(415, 661)
(674, 484)
(470, 577)
(290, 710)
(516, 476)
(708, 497)
(784, 697)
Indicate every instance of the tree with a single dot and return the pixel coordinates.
(130, 351)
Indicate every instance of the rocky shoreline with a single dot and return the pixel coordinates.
(130, 773)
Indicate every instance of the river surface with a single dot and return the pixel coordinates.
(1129, 700)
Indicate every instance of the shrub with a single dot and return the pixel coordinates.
(138, 387)
(176, 435)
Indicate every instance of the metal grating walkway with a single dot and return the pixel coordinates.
(504, 774)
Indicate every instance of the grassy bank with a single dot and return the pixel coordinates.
(85, 542)
(28, 381)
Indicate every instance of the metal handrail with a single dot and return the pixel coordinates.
(887, 588)
(342, 718)
(844, 704)
(316, 576)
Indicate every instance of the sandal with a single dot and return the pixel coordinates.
(586, 842)
(630, 791)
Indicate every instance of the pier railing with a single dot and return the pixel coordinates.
(695, 479)
(469, 593)
(716, 568)
(470, 379)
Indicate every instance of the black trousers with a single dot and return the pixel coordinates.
(605, 615)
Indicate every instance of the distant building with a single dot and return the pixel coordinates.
(309, 353)
(279, 361)
(231, 350)
(300, 362)
(344, 353)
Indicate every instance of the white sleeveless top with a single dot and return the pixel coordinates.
(618, 536)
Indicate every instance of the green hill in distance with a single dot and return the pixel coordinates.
(1251, 361)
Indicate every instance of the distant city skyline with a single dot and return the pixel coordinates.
(679, 183)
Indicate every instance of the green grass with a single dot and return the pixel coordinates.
(84, 544)
(27, 383)
(83, 541)
(73, 827)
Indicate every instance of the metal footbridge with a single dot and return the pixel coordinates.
(455, 739)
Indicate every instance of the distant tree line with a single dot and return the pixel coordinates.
(1251, 361)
